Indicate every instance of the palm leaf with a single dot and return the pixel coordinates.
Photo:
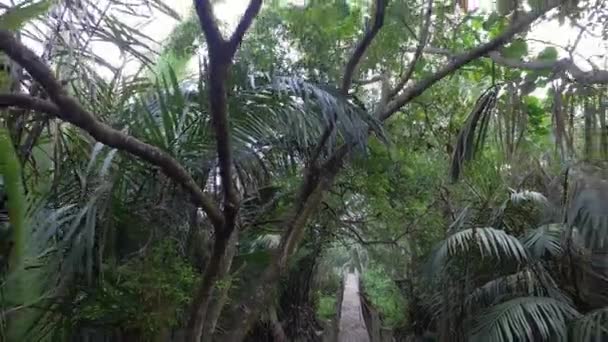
(533, 280)
(591, 327)
(544, 240)
(518, 197)
(352, 122)
(524, 319)
(489, 242)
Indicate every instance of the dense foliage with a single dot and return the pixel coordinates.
(218, 185)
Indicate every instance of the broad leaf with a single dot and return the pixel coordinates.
(517, 49)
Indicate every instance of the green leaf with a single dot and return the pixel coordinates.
(492, 20)
(548, 54)
(15, 17)
(517, 49)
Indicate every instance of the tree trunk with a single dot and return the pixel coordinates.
(296, 301)
(221, 294)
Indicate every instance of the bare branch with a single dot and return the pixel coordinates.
(68, 109)
(561, 65)
(362, 46)
(250, 13)
(424, 33)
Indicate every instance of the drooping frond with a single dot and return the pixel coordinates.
(591, 327)
(524, 319)
(470, 139)
(587, 202)
(489, 242)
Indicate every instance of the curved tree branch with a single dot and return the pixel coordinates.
(30, 103)
(212, 33)
(250, 13)
(362, 46)
(71, 111)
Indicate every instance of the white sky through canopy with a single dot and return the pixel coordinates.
(229, 12)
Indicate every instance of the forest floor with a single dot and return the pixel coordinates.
(352, 325)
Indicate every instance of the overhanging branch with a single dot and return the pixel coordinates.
(68, 109)
(595, 76)
(29, 103)
(250, 13)
(458, 61)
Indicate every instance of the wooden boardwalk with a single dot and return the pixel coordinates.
(352, 325)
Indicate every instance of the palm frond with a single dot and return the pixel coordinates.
(533, 280)
(489, 242)
(591, 327)
(523, 282)
(265, 241)
(518, 197)
(524, 319)
(331, 108)
(544, 240)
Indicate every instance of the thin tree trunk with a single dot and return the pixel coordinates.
(603, 128)
(297, 305)
(221, 294)
(588, 133)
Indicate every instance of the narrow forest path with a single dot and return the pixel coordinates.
(352, 325)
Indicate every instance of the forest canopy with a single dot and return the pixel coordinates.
(431, 162)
